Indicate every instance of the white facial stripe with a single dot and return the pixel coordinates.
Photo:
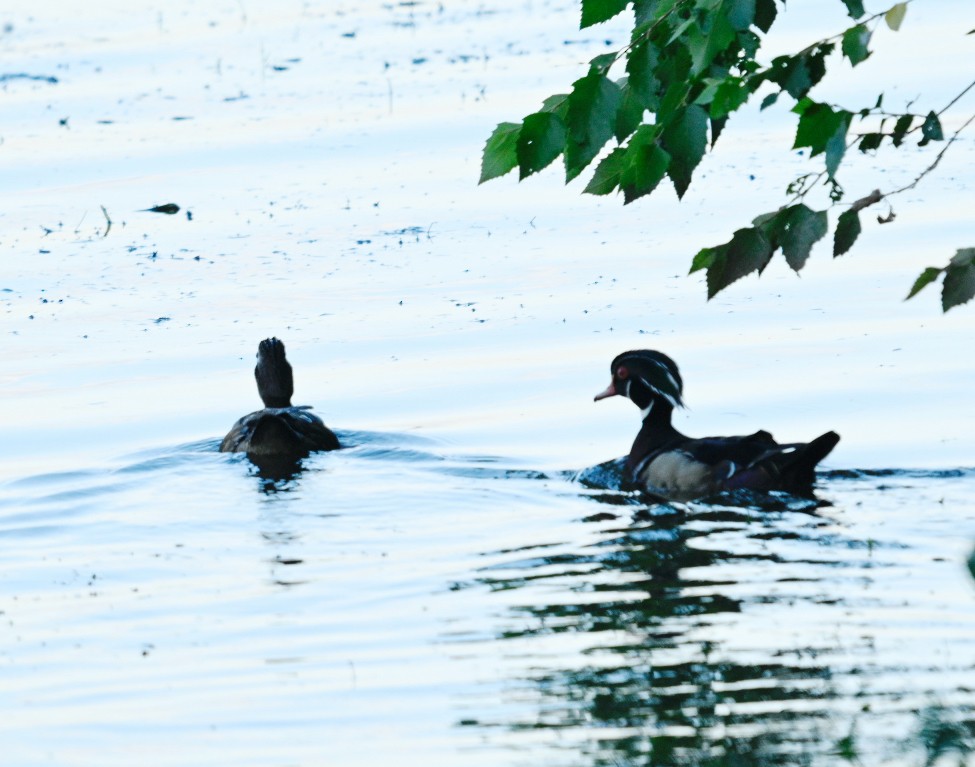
(646, 411)
(671, 380)
(655, 390)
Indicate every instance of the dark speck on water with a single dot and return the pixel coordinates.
(169, 209)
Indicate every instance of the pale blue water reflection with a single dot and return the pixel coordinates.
(474, 610)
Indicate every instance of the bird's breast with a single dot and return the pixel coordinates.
(677, 475)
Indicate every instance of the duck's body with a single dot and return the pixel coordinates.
(277, 431)
(280, 430)
(669, 463)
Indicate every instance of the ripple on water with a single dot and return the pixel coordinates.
(476, 611)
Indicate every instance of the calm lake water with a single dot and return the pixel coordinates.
(466, 584)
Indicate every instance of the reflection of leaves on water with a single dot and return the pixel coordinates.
(657, 607)
(657, 555)
(661, 680)
(943, 732)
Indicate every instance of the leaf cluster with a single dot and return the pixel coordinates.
(662, 100)
(959, 279)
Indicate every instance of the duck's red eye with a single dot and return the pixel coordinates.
(622, 373)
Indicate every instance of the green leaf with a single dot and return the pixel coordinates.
(685, 139)
(749, 43)
(557, 104)
(854, 8)
(792, 74)
(796, 74)
(674, 73)
(816, 61)
(673, 99)
(500, 152)
(855, 41)
(601, 64)
(717, 125)
(823, 130)
(630, 113)
(794, 229)
(765, 12)
(741, 14)
(895, 16)
(706, 96)
(596, 11)
(640, 66)
(770, 224)
(870, 141)
(593, 104)
(901, 127)
(707, 44)
(959, 283)
(749, 251)
(681, 28)
(705, 257)
(728, 96)
(931, 130)
(646, 164)
(769, 100)
(847, 231)
(836, 148)
(541, 140)
(801, 229)
(962, 257)
(817, 122)
(648, 11)
(926, 277)
(608, 173)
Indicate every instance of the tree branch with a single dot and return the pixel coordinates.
(937, 159)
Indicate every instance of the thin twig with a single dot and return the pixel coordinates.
(955, 99)
(876, 195)
(865, 202)
(937, 159)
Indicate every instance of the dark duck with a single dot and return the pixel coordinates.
(281, 431)
(668, 463)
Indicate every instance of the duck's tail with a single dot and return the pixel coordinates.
(791, 468)
(797, 470)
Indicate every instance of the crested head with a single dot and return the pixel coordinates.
(645, 377)
(275, 382)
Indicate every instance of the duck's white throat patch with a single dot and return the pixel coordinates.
(646, 411)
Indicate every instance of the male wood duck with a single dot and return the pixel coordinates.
(280, 430)
(668, 463)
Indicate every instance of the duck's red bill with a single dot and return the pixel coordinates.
(610, 391)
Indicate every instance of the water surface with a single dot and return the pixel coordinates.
(450, 589)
